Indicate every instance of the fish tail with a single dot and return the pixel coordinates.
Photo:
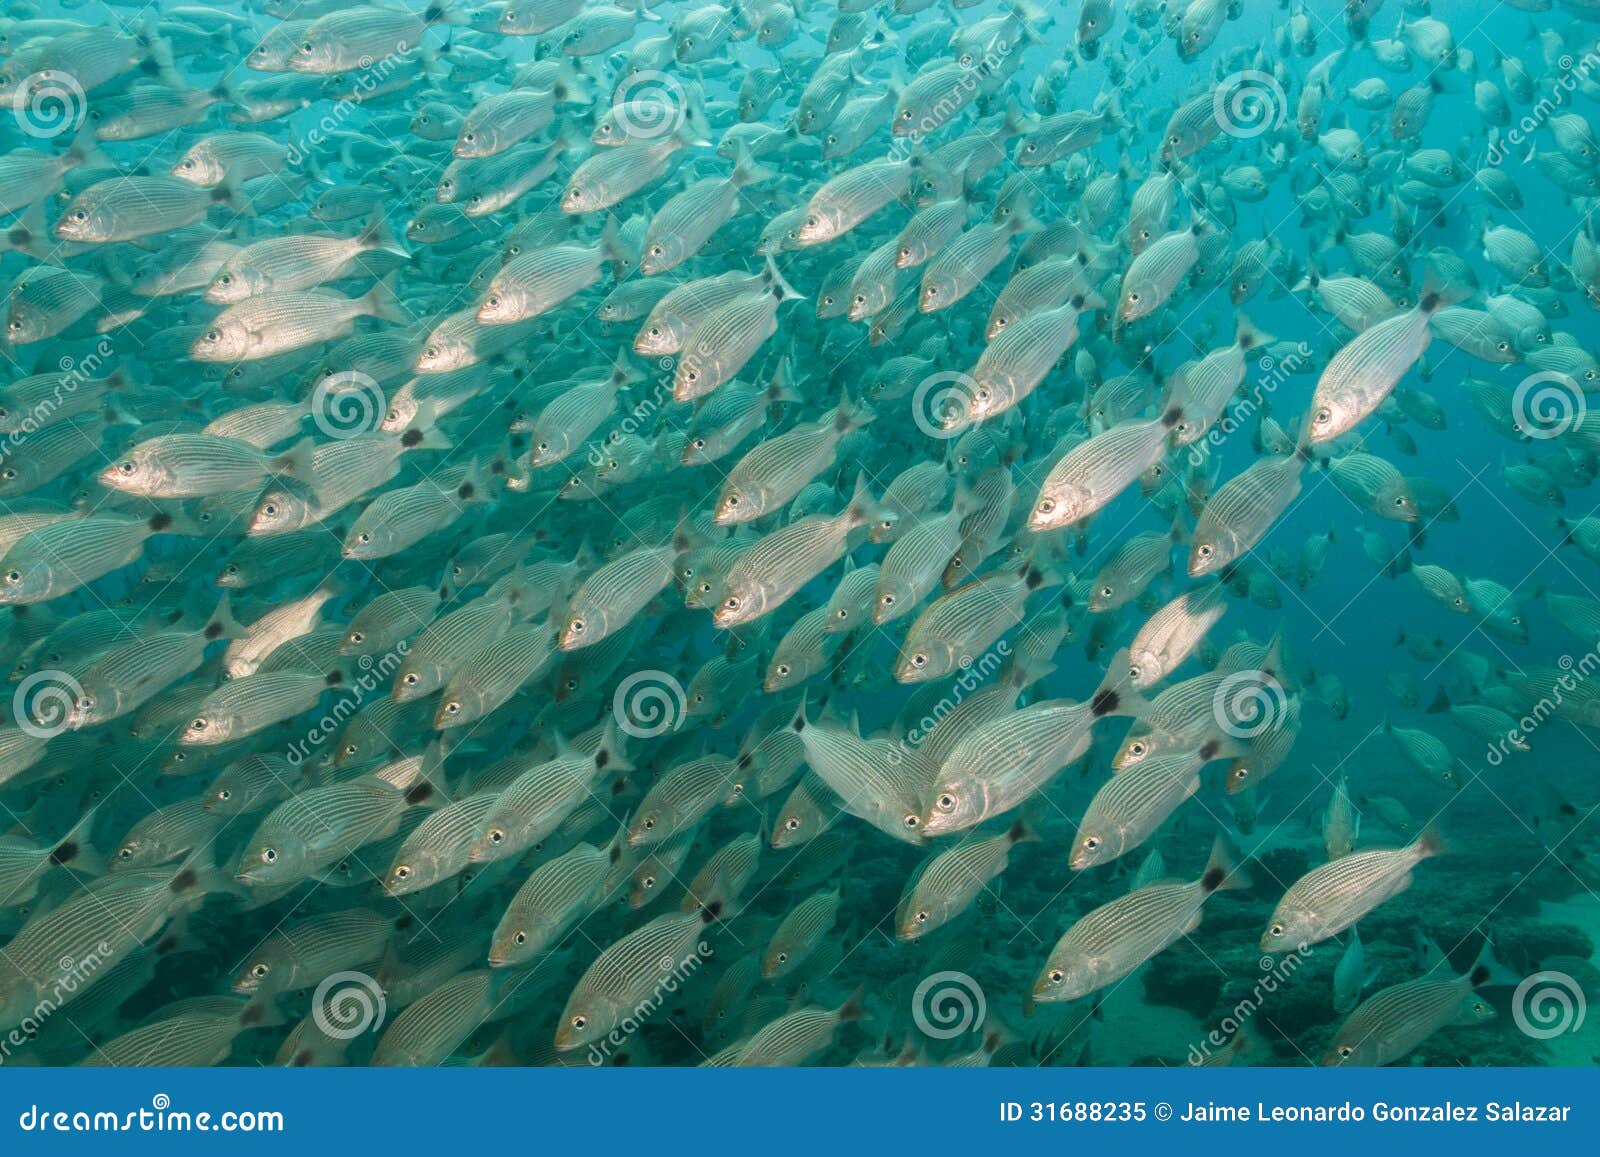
(1222, 874)
(774, 278)
(376, 237)
(383, 303)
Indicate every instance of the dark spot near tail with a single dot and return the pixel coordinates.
(498, 466)
(1480, 974)
(1033, 580)
(466, 490)
(799, 724)
(159, 521)
(1212, 880)
(302, 1059)
(421, 793)
(1171, 416)
(184, 880)
(65, 853)
(334, 678)
(404, 922)
(411, 438)
(213, 631)
(1104, 702)
(616, 853)
(433, 13)
(252, 1015)
(1429, 302)
(601, 758)
(711, 912)
(1568, 810)
(1208, 749)
(744, 761)
(166, 945)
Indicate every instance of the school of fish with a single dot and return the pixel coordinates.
(560, 532)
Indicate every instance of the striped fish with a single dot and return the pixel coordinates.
(1108, 943)
(556, 894)
(1327, 900)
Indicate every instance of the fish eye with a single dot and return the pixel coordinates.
(497, 837)
(1057, 976)
(946, 802)
(647, 882)
(1106, 592)
(520, 939)
(198, 725)
(1275, 930)
(13, 576)
(1345, 1050)
(269, 855)
(80, 215)
(919, 660)
(792, 824)
(1046, 506)
(403, 872)
(213, 335)
(452, 708)
(260, 969)
(125, 853)
(578, 1022)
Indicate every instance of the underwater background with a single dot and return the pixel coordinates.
(395, 682)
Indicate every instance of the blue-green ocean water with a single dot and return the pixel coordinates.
(366, 966)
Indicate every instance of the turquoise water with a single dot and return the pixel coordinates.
(307, 825)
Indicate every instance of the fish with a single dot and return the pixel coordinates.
(586, 515)
(1329, 899)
